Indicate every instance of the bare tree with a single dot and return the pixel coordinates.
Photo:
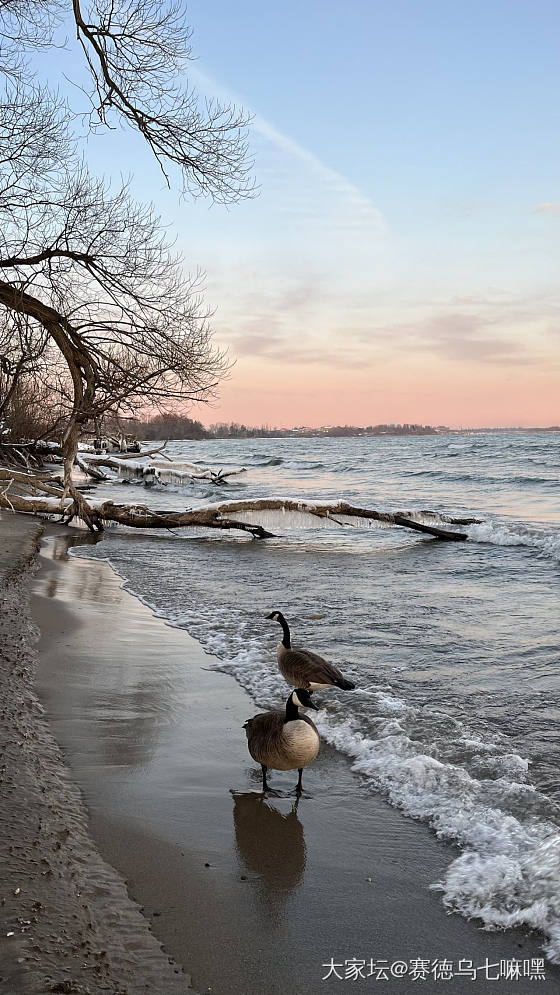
(86, 269)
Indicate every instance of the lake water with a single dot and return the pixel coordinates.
(454, 647)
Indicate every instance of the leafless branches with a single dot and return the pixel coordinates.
(136, 51)
(94, 305)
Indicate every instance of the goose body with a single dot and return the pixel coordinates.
(304, 669)
(284, 740)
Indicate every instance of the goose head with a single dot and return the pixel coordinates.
(301, 698)
(276, 617)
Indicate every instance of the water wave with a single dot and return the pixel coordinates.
(308, 465)
(484, 478)
(545, 544)
(509, 871)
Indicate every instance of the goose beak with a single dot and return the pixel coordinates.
(311, 704)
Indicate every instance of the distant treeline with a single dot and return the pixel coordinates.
(168, 426)
(173, 426)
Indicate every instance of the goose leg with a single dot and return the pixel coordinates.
(265, 785)
(299, 786)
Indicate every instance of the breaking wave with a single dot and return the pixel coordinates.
(497, 534)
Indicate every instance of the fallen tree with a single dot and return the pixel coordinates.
(217, 516)
(230, 515)
(28, 455)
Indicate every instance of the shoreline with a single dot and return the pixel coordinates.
(340, 847)
(67, 922)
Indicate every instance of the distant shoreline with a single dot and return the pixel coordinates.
(345, 432)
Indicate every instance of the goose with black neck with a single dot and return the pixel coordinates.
(284, 740)
(302, 668)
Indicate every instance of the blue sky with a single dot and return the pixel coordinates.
(400, 261)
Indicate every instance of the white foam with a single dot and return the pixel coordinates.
(547, 544)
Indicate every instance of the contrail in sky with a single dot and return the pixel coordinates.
(351, 193)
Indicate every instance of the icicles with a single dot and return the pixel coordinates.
(282, 518)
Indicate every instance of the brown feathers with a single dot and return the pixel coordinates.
(304, 669)
(280, 744)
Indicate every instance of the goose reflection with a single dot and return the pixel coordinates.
(271, 845)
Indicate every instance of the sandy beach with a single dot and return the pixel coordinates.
(67, 923)
(248, 894)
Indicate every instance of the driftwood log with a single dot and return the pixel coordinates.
(150, 471)
(89, 469)
(101, 457)
(229, 515)
(89, 462)
(218, 516)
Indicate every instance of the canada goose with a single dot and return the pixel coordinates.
(284, 740)
(303, 668)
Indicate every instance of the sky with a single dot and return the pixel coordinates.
(399, 262)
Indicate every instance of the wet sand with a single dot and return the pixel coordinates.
(252, 895)
(67, 923)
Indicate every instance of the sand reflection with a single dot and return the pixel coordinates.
(103, 673)
(75, 583)
(61, 544)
